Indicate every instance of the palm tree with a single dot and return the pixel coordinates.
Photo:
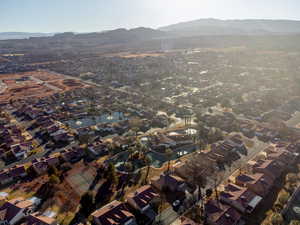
(197, 172)
(168, 154)
(202, 145)
(135, 130)
(148, 162)
(131, 150)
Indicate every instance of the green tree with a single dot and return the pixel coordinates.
(131, 150)
(148, 162)
(276, 219)
(111, 174)
(283, 197)
(135, 130)
(197, 172)
(53, 170)
(201, 145)
(128, 166)
(54, 179)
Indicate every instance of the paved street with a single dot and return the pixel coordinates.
(46, 84)
(168, 216)
(37, 156)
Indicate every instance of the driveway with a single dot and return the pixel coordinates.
(167, 217)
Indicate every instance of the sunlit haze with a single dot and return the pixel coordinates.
(161, 112)
(98, 15)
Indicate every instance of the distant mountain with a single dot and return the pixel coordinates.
(109, 36)
(233, 27)
(114, 36)
(69, 41)
(204, 33)
(21, 35)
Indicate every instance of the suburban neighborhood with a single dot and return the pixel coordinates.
(150, 126)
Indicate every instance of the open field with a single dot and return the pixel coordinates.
(80, 179)
(34, 84)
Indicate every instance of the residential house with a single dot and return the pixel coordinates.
(52, 160)
(294, 148)
(180, 139)
(61, 135)
(38, 218)
(5, 177)
(237, 143)
(114, 213)
(41, 166)
(240, 198)
(20, 151)
(184, 221)
(141, 199)
(259, 132)
(72, 155)
(8, 175)
(18, 171)
(14, 210)
(281, 155)
(247, 128)
(270, 168)
(98, 149)
(162, 140)
(169, 181)
(258, 183)
(217, 213)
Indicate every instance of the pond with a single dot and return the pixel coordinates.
(121, 158)
(157, 160)
(93, 120)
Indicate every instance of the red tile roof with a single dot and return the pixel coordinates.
(113, 213)
(143, 196)
(221, 214)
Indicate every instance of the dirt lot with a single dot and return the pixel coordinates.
(80, 178)
(141, 55)
(35, 84)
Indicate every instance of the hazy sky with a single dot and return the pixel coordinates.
(97, 15)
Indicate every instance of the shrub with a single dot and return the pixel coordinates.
(294, 222)
(291, 177)
(54, 179)
(277, 207)
(290, 187)
(128, 166)
(283, 197)
(276, 219)
(68, 217)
